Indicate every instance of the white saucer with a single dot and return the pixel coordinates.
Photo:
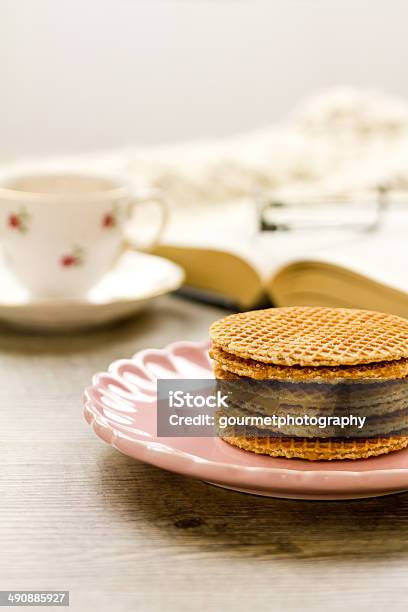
(136, 279)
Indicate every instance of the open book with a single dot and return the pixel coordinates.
(325, 268)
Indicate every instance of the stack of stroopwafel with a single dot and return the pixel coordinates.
(319, 361)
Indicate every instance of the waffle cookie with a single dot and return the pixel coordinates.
(277, 397)
(318, 450)
(316, 361)
(309, 336)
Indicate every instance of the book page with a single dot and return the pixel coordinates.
(381, 255)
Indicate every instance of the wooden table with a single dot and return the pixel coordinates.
(123, 536)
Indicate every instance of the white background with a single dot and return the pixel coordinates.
(83, 74)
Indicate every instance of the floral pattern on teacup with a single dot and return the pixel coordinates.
(73, 259)
(110, 219)
(19, 221)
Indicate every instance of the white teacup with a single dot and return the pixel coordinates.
(62, 233)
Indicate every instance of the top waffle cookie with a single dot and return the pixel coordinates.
(309, 336)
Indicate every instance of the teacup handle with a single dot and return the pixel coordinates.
(152, 196)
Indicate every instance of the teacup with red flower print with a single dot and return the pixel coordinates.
(62, 233)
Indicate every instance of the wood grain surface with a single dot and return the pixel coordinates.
(123, 536)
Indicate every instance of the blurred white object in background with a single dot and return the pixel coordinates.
(339, 142)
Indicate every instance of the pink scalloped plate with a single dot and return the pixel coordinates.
(121, 407)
